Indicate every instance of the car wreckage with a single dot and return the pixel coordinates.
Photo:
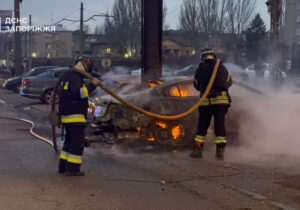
(168, 96)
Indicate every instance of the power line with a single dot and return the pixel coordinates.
(74, 11)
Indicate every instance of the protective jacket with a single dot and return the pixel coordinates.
(73, 98)
(219, 93)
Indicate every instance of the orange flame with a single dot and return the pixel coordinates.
(177, 132)
(152, 84)
(161, 124)
(151, 139)
(175, 91)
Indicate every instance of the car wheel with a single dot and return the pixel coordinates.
(46, 99)
(17, 88)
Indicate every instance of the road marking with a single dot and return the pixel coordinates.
(258, 196)
(2, 102)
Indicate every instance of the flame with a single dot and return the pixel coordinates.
(152, 84)
(151, 139)
(183, 92)
(161, 124)
(177, 132)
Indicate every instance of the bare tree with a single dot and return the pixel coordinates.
(239, 14)
(208, 16)
(99, 29)
(222, 22)
(125, 28)
(205, 17)
(189, 20)
(165, 12)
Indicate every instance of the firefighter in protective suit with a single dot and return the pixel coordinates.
(73, 106)
(215, 105)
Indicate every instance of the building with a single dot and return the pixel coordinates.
(6, 49)
(291, 22)
(95, 45)
(175, 43)
(56, 44)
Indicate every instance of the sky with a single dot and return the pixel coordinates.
(45, 12)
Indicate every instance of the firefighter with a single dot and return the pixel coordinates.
(215, 105)
(73, 106)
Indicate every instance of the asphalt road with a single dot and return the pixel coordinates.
(119, 178)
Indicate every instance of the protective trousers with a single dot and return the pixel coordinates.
(205, 115)
(71, 154)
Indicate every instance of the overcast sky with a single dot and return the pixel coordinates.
(48, 11)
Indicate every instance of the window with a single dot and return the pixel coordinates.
(298, 19)
(298, 6)
(37, 71)
(60, 72)
(44, 75)
(298, 32)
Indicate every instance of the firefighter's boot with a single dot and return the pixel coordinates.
(73, 169)
(197, 151)
(220, 149)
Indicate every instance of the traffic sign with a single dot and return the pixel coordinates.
(106, 63)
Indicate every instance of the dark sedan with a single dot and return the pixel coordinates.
(14, 83)
(42, 85)
(168, 96)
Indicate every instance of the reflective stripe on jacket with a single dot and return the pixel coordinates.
(74, 118)
(221, 98)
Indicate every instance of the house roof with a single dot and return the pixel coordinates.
(177, 36)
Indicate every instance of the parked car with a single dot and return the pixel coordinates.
(187, 71)
(236, 72)
(14, 83)
(120, 70)
(165, 71)
(167, 96)
(41, 85)
(251, 71)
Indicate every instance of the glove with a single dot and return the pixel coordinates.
(95, 82)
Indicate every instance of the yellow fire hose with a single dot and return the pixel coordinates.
(31, 130)
(53, 116)
(158, 116)
(54, 120)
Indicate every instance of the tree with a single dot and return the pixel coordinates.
(165, 12)
(206, 17)
(99, 29)
(189, 20)
(124, 30)
(255, 37)
(239, 15)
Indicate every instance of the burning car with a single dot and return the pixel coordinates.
(168, 96)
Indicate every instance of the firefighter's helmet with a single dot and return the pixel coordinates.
(87, 61)
(208, 54)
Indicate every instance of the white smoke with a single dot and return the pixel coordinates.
(274, 127)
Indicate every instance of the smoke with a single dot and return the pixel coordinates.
(273, 126)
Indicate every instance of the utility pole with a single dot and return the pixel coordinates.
(275, 10)
(81, 33)
(30, 45)
(276, 13)
(152, 39)
(17, 40)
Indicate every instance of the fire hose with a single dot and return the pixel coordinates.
(31, 130)
(54, 120)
